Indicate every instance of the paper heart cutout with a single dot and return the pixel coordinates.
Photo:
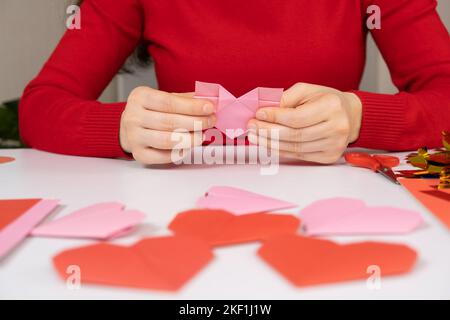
(164, 263)
(99, 221)
(309, 261)
(234, 113)
(6, 159)
(345, 216)
(218, 227)
(239, 201)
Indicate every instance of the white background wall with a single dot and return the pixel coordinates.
(376, 76)
(30, 29)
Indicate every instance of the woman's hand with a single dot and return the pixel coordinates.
(151, 117)
(315, 123)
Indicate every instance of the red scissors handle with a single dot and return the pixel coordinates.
(387, 161)
(377, 163)
(362, 160)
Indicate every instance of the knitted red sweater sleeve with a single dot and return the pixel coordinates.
(58, 110)
(416, 47)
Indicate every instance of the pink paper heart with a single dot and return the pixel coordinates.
(344, 216)
(240, 201)
(234, 113)
(100, 221)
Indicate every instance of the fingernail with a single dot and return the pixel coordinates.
(251, 128)
(261, 115)
(208, 108)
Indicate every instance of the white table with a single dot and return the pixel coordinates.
(236, 272)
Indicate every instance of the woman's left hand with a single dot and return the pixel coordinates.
(314, 123)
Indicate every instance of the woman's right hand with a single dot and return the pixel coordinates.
(151, 117)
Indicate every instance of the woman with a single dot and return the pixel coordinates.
(316, 49)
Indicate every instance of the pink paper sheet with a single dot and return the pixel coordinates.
(234, 113)
(240, 201)
(100, 221)
(18, 230)
(344, 216)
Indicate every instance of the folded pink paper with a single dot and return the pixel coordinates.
(344, 216)
(19, 229)
(100, 221)
(234, 113)
(239, 201)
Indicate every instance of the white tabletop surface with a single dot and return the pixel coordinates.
(236, 272)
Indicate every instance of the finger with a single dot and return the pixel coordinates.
(171, 103)
(184, 94)
(293, 118)
(150, 156)
(298, 147)
(266, 129)
(170, 121)
(298, 94)
(317, 157)
(169, 140)
(310, 113)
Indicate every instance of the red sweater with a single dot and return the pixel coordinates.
(242, 45)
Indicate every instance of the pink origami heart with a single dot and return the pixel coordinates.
(344, 216)
(99, 221)
(234, 113)
(240, 201)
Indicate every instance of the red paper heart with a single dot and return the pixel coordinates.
(308, 261)
(164, 263)
(218, 227)
(6, 159)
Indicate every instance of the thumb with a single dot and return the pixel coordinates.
(299, 94)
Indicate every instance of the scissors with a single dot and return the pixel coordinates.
(378, 163)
